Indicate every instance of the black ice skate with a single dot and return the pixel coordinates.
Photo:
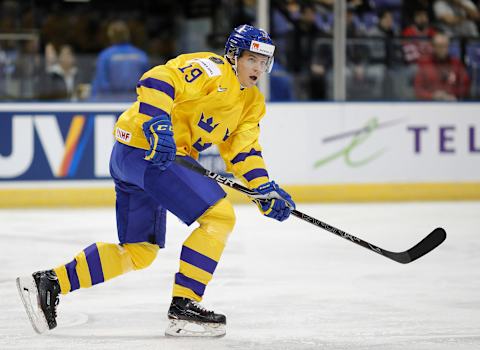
(189, 319)
(39, 293)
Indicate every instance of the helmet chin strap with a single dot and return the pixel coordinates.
(235, 68)
(236, 73)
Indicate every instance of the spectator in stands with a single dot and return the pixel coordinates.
(62, 79)
(293, 9)
(284, 15)
(419, 45)
(382, 4)
(357, 6)
(354, 27)
(358, 77)
(29, 66)
(300, 54)
(4, 73)
(385, 27)
(281, 84)
(321, 68)
(306, 31)
(369, 79)
(410, 7)
(324, 7)
(441, 77)
(361, 6)
(457, 17)
(421, 33)
(119, 66)
(420, 26)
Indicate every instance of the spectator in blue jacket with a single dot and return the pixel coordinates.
(119, 66)
(281, 84)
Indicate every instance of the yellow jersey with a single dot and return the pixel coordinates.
(207, 105)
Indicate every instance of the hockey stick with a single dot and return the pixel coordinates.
(430, 242)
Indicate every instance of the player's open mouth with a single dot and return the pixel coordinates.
(254, 78)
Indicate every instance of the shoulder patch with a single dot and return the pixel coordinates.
(210, 68)
(216, 60)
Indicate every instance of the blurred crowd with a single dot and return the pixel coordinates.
(396, 50)
(97, 50)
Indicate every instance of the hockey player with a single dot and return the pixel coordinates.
(183, 107)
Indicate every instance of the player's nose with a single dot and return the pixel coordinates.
(257, 67)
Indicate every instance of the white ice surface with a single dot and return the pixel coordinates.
(284, 285)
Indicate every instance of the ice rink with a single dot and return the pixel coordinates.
(284, 285)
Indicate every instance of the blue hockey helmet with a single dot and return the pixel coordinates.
(246, 37)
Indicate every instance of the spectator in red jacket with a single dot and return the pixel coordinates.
(441, 77)
(419, 31)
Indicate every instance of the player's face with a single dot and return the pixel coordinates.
(250, 66)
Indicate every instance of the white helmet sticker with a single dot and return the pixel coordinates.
(262, 48)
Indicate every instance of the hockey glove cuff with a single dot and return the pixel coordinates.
(274, 202)
(159, 133)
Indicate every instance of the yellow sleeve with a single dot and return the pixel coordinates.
(242, 152)
(180, 79)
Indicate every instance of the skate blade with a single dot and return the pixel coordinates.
(182, 328)
(27, 289)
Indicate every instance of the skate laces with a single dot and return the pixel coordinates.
(200, 307)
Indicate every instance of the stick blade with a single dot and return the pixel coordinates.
(426, 245)
(429, 243)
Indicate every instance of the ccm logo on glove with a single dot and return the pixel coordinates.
(159, 134)
(164, 127)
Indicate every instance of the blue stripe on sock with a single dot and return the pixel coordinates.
(199, 260)
(187, 282)
(94, 264)
(72, 275)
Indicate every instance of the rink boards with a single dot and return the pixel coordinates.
(57, 154)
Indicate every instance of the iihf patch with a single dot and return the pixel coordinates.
(123, 135)
(216, 60)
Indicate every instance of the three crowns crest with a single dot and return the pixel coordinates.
(207, 124)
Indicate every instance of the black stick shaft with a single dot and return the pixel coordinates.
(426, 245)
